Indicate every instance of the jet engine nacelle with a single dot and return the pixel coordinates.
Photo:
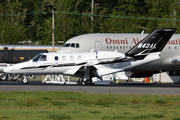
(137, 74)
(108, 56)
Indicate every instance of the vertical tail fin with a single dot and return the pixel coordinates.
(154, 42)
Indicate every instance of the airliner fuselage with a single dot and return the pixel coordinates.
(170, 56)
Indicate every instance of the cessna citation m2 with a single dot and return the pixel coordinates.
(95, 64)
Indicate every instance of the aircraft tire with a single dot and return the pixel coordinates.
(24, 80)
(88, 82)
(111, 83)
(3, 77)
(79, 82)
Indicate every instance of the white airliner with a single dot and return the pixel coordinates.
(169, 61)
(95, 64)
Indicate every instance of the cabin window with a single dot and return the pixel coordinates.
(73, 45)
(126, 47)
(77, 45)
(43, 58)
(110, 47)
(123, 47)
(71, 58)
(56, 58)
(175, 47)
(107, 47)
(119, 47)
(79, 58)
(114, 47)
(64, 58)
(169, 47)
(129, 47)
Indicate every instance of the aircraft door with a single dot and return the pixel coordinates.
(98, 46)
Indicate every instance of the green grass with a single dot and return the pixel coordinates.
(77, 106)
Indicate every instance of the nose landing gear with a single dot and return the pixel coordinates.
(24, 79)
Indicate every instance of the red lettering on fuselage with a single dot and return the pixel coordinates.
(108, 40)
(116, 41)
(174, 42)
(136, 41)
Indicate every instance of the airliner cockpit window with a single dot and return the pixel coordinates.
(36, 58)
(73, 45)
(77, 45)
(43, 58)
(67, 45)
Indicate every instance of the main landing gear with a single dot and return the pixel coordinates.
(87, 82)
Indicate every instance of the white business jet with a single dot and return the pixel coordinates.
(87, 65)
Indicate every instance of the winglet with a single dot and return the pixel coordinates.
(154, 42)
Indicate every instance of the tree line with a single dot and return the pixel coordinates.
(24, 20)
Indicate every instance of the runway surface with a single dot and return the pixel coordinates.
(121, 88)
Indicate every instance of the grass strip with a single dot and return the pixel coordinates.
(77, 105)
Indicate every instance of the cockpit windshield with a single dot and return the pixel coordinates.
(39, 57)
(67, 45)
(73, 45)
(43, 58)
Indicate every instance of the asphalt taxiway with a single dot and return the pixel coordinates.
(121, 88)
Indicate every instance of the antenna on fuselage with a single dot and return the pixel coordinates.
(142, 32)
(92, 50)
